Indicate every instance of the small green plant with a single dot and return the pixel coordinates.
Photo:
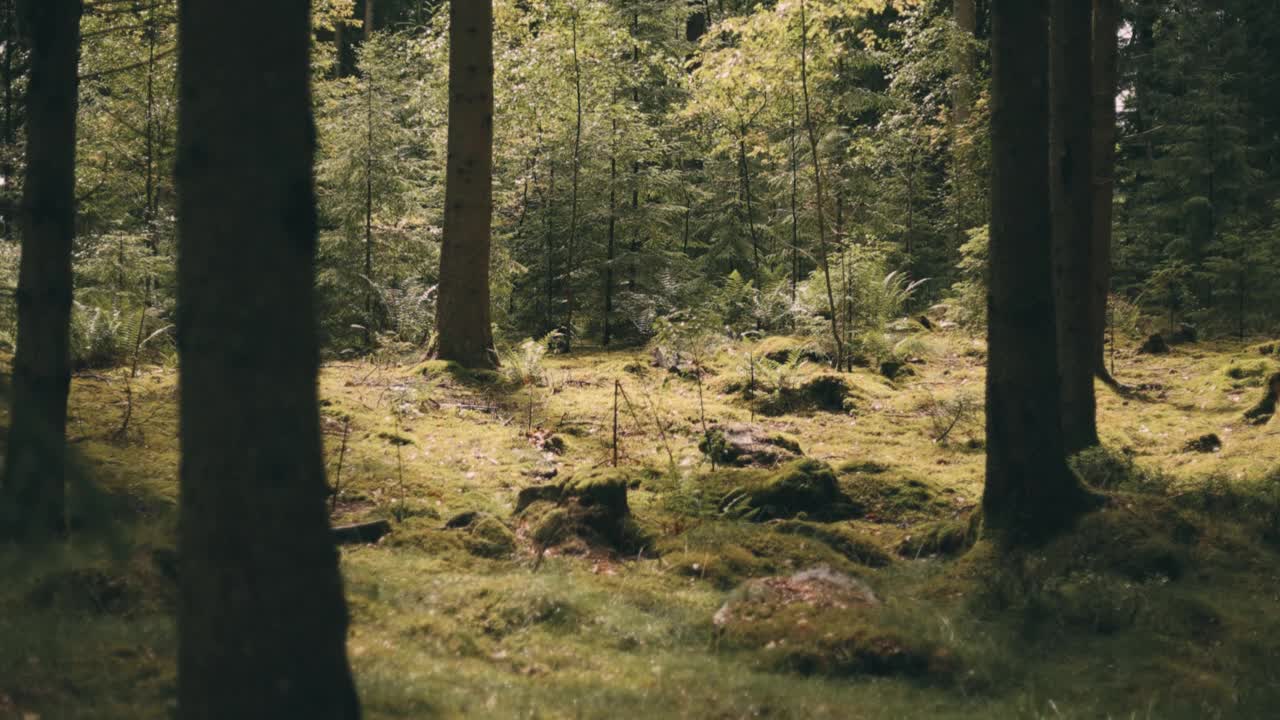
(782, 377)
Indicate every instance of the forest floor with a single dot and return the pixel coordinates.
(697, 603)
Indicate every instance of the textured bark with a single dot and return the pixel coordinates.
(262, 622)
(464, 328)
(1106, 22)
(1029, 490)
(1071, 188)
(33, 496)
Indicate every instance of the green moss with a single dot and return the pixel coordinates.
(825, 392)
(801, 487)
(894, 497)
(1248, 372)
(856, 547)
(945, 537)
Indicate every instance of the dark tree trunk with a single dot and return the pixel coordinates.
(1029, 488)
(1071, 188)
(262, 623)
(33, 497)
(464, 331)
(8, 133)
(1106, 25)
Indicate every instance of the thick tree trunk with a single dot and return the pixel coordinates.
(463, 325)
(1029, 488)
(262, 623)
(1106, 26)
(33, 497)
(1071, 188)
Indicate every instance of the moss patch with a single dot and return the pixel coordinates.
(802, 488)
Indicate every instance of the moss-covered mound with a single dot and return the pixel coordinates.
(484, 535)
(823, 622)
(726, 554)
(803, 487)
(780, 349)
(945, 537)
(890, 496)
(589, 509)
(741, 445)
(825, 392)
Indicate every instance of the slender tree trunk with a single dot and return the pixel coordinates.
(1029, 491)
(464, 328)
(613, 227)
(1071, 190)
(368, 206)
(577, 171)
(635, 164)
(262, 623)
(33, 496)
(745, 172)
(963, 60)
(824, 253)
(795, 193)
(1106, 26)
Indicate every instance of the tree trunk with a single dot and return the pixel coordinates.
(965, 14)
(1071, 190)
(33, 497)
(1106, 21)
(1029, 490)
(8, 134)
(812, 132)
(613, 227)
(262, 623)
(567, 340)
(464, 331)
(745, 172)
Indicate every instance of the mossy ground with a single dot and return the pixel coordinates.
(1160, 605)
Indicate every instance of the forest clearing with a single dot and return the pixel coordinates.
(1174, 582)
(408, 359)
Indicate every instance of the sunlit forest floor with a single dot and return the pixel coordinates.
(1161, 605)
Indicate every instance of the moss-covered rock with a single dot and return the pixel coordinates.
(824, 392)
(806, 487)
(484, 535)
(741, 445)
(887, 495)
(589, 506)
(822, 622)
(780, 348)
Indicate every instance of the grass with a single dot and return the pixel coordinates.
(1161, 605)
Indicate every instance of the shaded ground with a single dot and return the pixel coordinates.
(1160, 606)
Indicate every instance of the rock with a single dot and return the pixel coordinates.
(779, 349)
(742, 445)
(805, 486)
(1155, 345)
(826, 392)
(925, 322)
(1268, 348)
(1210, 443)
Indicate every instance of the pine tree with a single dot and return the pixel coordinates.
(464, 329)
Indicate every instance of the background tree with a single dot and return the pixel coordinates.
(33, 497)
(262, 622)
(1029, 488)
(464, 330)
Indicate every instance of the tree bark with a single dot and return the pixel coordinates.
(607, 335)
(1029, 491)
(570, 264)
(965, 14)
(464, 330)
(1106, 26)
(1071, 190)
(262, 622)
(33, 496)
